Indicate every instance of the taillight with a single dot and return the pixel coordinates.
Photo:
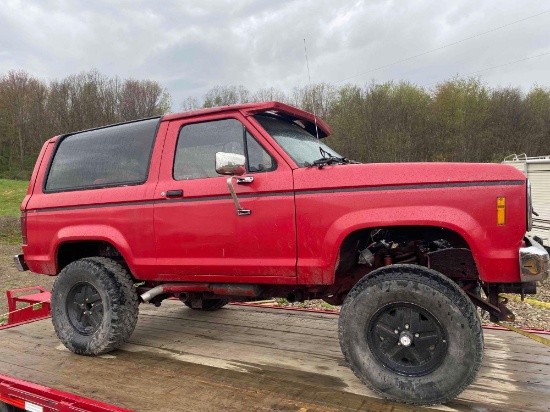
(24, 227)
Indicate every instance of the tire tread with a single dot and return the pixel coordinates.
(124, 305)
(427, 277)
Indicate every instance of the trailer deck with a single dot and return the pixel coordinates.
(252, 358)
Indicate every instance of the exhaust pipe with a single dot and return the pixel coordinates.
(224, 289)
(151, 293)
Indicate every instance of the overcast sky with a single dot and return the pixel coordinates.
(191, 46)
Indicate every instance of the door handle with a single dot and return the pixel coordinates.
(174, 193)
(247, 179)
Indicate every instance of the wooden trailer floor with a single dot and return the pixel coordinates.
(252, 359)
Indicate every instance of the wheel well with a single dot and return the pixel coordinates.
(349, 249)
(71, 251)
(438, 248)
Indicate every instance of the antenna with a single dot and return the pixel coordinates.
(312, 99)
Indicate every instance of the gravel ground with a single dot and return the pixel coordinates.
(527, 316)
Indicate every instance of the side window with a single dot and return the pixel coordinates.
(258, 159)
(198, 144)
(111, 156)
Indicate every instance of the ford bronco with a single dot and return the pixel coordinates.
(243, 202)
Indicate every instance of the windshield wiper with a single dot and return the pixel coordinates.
(325, 161)
(328, 159)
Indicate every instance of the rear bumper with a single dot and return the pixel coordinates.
(20, 264)
(534, 261)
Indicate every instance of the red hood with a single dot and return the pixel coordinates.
(397, 174)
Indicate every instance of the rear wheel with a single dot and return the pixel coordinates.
(411, 334)
(94, 306)
(206, 304)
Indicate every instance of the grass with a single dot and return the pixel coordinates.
(328, 306)
(10, 230)
(12, 193)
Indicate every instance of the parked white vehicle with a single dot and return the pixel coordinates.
(537, 170)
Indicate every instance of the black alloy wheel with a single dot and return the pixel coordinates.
(407, 339)
(85, 308)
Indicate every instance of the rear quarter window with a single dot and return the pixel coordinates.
(111, 156)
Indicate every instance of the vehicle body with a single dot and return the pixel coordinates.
(147, 203)
(537, 170)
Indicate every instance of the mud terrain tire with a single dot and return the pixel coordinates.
(411, 335)
(94, 306)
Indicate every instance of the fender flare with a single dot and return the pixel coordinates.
(434, 216)
(82, 233)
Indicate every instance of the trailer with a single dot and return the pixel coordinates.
(242, 357)
(537, 170)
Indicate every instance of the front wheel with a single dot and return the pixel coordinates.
(411, 334)
(94, 306)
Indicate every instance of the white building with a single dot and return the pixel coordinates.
(537, 170)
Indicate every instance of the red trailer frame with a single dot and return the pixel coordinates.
(37, 398)
(36, 306)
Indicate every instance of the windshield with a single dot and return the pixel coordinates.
(301, 146)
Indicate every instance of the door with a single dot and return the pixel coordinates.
(198, 233)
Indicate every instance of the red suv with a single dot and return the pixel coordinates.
(246, 201)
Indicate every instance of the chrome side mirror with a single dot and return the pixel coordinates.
(230, 164)
(233, 164)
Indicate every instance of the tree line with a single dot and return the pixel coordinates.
(32, 111)
(461, 120)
